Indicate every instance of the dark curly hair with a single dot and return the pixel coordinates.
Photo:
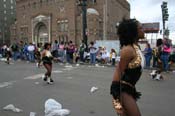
(159, 42)
(46, 45)
(128, 32)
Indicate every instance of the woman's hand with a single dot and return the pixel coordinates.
(118, 107)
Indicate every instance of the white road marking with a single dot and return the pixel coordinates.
(57, 71)
(3, 59)
(38, 76)
(6, 84)
(33, 77)
(37, 83)
(69, 77)
(68, 66)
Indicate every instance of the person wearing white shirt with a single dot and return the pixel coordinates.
(113, 52)
(31, 49)
(92, 49)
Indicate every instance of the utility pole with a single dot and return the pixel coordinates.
(105, 19)
(83, 4)
(165, 15)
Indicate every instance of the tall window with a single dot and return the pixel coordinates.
(63, 26)
(5, 18)
(41, 1)
(11, 7)
(5, 6)
(34, 5)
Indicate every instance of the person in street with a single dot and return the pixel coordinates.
(61, 51)
(155, 57)
(31, 51)
(4, 49)
(38, 54)
(113, 56)
(8, 55)
(76, 55)
(15, 51)
(172, 58)
(55, 47)
(81, 51)
(25, 52)
(158, 72)
(71, 49)
(166, 50)
(92, 49)
(21, 47)
(148, 55)
(67, 52)
(47, 62)
(129, 69)
(159, 44)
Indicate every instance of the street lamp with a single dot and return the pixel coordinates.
(83, 4)
(165, 15)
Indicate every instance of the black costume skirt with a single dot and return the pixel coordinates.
(130, 90)
(47, 60)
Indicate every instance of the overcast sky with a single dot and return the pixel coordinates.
(150, 11)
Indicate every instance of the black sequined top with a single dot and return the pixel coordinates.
(132, 74)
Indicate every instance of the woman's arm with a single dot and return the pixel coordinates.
(127, 54)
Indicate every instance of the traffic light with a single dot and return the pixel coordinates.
(167, 32)
(165, 14)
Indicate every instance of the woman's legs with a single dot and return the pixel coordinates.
(8, 59)
(49, 71)
(146, 58)
(129, 105)
(113, 61)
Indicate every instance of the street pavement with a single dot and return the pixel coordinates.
(21, 85)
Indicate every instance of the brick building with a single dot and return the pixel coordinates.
(7, 17)
(47, 20)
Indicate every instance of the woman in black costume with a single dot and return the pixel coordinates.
(47, 62)
(129, 69)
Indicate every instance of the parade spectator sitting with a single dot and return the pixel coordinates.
(99, 54)
(104, 55)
